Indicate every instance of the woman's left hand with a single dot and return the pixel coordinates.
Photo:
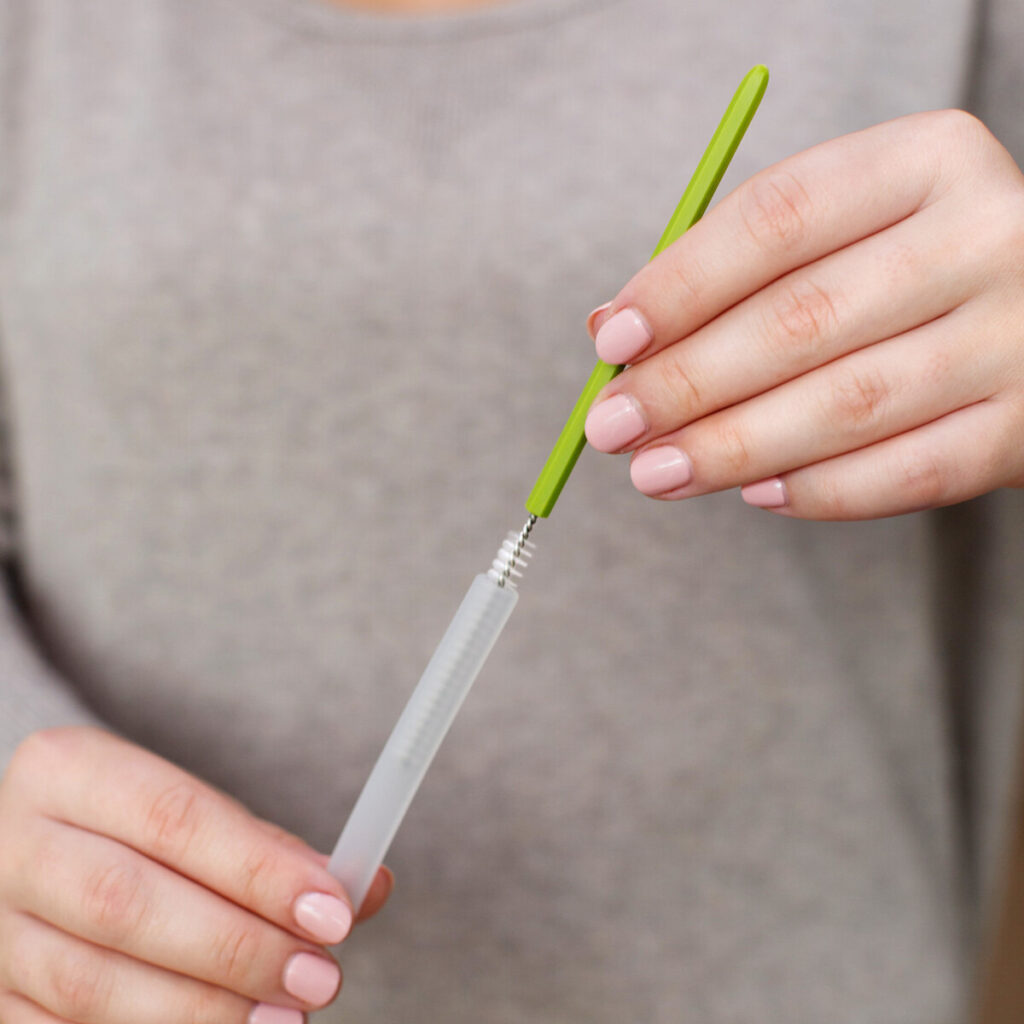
(842, 336)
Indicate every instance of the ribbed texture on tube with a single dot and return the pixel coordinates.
(416, 737)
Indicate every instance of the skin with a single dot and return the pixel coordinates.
(847, 324)
(131, 892)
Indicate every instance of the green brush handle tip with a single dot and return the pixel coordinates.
(694, 202)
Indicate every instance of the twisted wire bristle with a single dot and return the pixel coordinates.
(515, 550)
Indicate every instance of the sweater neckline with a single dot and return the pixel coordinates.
(323, 18)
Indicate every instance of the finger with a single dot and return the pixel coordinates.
(788, 215)
(878, 288)
(102, 891)
(380, 889)
(378, 894)
(964, 454)
(15, 1009)
(139, 799)
(872, 394)
(80, 982)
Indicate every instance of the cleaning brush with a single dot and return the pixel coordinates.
(488, 603)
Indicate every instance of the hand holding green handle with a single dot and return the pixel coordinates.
(699, 191)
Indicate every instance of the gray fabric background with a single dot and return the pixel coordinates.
(291, 304)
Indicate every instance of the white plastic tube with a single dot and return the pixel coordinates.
(418, 733)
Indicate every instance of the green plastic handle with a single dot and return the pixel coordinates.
(699, 191)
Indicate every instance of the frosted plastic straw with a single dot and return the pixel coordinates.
(414, 741)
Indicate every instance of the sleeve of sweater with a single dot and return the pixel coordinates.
(998, 83)
(32, 694)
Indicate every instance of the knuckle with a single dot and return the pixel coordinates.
(732, 451)
(959, 127)
(678, 381)
(234, 954)
(688, 283)
(858, 397)
(206, 1005)
(962, 144)
(255, 875)
(81, 988)
(174, 819)
(802, 317)
(830, 499)
(112, 901)
(775, 210)
(25, 759)
(921, 477)
(40, 752)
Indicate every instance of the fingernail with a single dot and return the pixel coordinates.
(769, 493)
(311, 978)
(661, 469)
(592, 318)
(325, 917)
(622, 337)
(264, 1013)
(613, 423)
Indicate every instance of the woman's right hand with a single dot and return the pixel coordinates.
(133, 893)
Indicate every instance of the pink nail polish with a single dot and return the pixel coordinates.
(592, 318)
(769, 493)
(311, 978)
(327, 918)
(613, 423)
(658, 470)
(264, 1013)
(622, 337)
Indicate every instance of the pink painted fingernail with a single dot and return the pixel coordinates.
(592, 317)
(264, 1013)
(613, 423)
(661, 469)
(325, 917)
(622, 337)
(311, 978)
(769, 493)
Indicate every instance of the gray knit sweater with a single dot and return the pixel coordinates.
(291, 306)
